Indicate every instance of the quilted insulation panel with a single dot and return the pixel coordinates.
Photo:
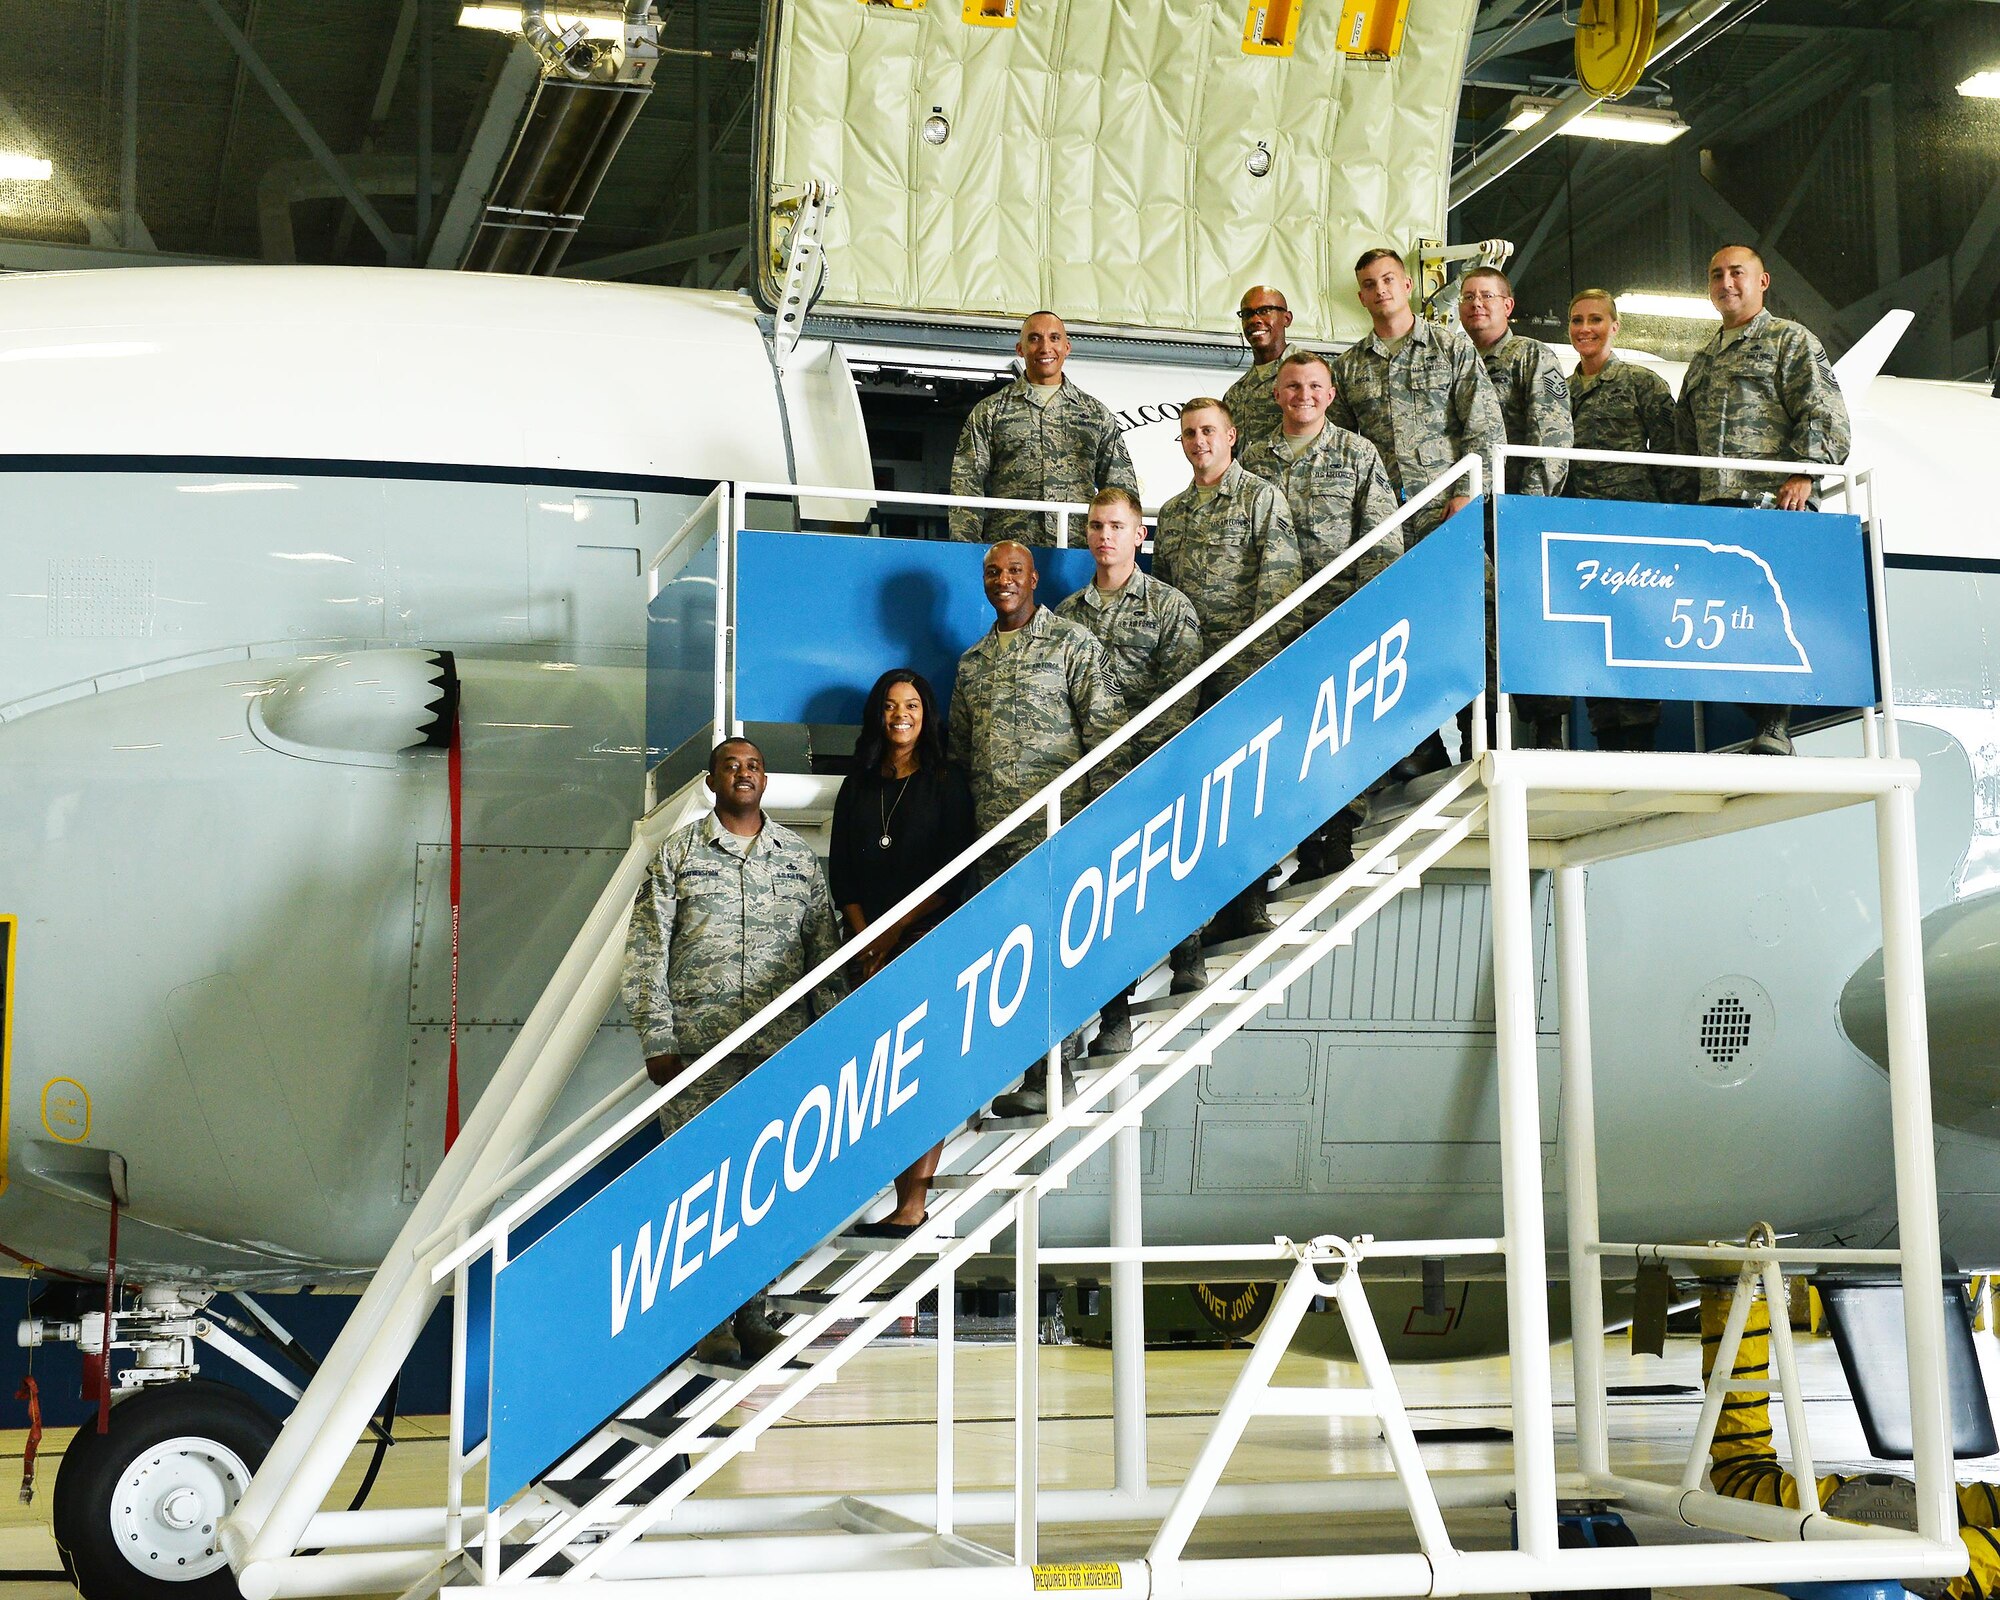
(1096, 160)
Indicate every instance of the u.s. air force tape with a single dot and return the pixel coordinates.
(1078, 1575)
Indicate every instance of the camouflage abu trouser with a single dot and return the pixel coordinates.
(696, 1098)
(704, 1091)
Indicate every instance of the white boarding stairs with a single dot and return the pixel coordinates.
(591, 1521)
(586, 1519)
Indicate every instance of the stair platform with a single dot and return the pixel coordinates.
(1593, 805)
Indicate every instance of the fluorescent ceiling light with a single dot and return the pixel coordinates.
(1693, 307)
(1629, 124)
(507, 19)
(1982, 85)
(25, 169)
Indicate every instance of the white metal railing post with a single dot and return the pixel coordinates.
(1579, 1134)
(1916, 1172)
(1489, 605)
(454, 1489)
(1878, 583)
(947, 1400)
(1521, 1159)
(725, 601)
(1128, 1306)
(489, 1544)
(1052, 1078)
(1027, 1378)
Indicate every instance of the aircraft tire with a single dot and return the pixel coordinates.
(136, 1508)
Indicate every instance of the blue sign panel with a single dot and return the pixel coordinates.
(625, 1284)
(820, 616)
(680, 657)
(1663, 602)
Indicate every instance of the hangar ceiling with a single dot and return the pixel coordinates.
(1827, 130)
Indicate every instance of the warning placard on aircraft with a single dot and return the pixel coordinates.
(1658, 602)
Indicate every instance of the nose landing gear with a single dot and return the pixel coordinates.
(138, 1509)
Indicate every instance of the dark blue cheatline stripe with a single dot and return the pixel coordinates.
(313, 467)
(1915, 563)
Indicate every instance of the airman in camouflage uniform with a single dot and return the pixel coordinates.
(1032, 697)
(1332, 480)
(1153, 641)
(733, 911)
(722, 925)
(1040, 438)
(1618, 405)
(1338, 492)
(1761, 387)
(1150, 634)
(1534, 400)
(1228, 545)
(1416, 392)
(1265, 317)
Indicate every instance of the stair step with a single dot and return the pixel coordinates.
(861, 1244)
(727, 1374)
(807, 1301)
(1222, 956)
(1167, 1004)
(986, 1124)
(966, 1180)
(648, 1434)
(1295, 894)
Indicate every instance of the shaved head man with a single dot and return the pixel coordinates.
(1265, 317)
(1040, 438)
(1762, 387)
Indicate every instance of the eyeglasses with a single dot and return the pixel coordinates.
(1251, 313)
(1480, 299)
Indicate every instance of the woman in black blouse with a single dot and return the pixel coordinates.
(902, 813)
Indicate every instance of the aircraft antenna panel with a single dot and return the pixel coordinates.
(1614, 41)
(1127, 166)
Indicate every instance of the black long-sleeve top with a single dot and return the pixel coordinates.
(929, 821)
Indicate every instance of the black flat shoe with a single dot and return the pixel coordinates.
(887, 1230)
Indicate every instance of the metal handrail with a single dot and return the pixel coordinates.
(1174, 1062)
(1470, 469)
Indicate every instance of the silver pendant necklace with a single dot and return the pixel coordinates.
(887, 840)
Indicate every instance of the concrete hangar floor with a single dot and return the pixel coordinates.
(875, 1432)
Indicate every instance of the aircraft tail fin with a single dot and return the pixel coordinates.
(1859, 368)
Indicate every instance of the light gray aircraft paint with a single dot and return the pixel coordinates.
(240, 512)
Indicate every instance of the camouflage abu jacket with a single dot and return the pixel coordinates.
(1338, 491)
(1625, 407)
(1234, 556)
(1013, 449)
(1152, 640)
(1534, 404)
(722, 926)
(1763, 390)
